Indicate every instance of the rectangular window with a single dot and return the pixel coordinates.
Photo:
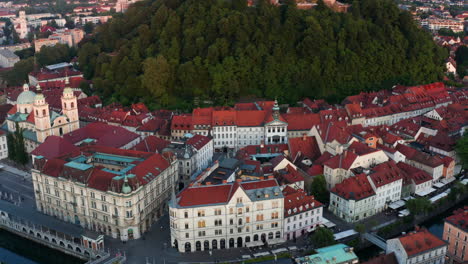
(201, 213)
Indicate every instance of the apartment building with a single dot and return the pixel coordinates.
(117, 192)
(418, 247)
(302, 213)
(227, 215)
(456, 235)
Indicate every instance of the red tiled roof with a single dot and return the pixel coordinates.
(30, 118)
(385, 173)
(202, 116)
(216, 194)
(100, 179)
(305, 146)
(250, 118)
(361, 149)
(354, 188)
(419, 242)
(103, 134)
(412, 173)
(198, 141)
(5, 110)
(297, 201)
(182, 122)
(315, 170)
(344, 161)
(151, 144)
(459, 218)
(54, 147)
(301, 122)
(289, 175)
(13, 110)
(224, 117)
(53, 167)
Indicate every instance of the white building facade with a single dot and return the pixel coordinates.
(230, 215)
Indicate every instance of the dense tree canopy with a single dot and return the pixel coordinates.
(167, 52)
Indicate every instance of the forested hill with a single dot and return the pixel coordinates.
(166, 52)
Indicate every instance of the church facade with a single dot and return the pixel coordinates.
(33, 115)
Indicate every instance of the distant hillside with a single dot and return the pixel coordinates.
(166, 52)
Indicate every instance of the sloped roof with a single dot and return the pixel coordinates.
(354, 188)
(418, 242)
(54, 147)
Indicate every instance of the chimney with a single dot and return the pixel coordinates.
(304, 136)
(224, 181)
(238, 180)
(208, 183)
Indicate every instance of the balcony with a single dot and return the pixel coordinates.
(115, 216)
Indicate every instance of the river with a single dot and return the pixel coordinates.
(435, 225)
(17, 250)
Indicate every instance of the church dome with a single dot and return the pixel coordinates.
(26, 97)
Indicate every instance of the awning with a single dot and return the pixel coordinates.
(397, 204)
(292, 248)
(408, 198)
(448, 180)
(279, 250)
(266, 253)
(425, 192)
(345, 234)
(246, 256)
(403, 213)
(276, 241)
(254, 243)
(438, 197)
(327, 223)
(439, 184)
(464, 182)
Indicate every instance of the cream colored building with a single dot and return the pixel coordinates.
(116, 192)
(229, 215)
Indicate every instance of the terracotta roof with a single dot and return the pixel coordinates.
(301, 122)
(224, 117)
(181, 122)
(252, 118)
(151, 144)
(420, 157)
(421, 241)
(409, 172)
(354, 188)
(5, 110)
(198, 141)
(385, 173)
(459, 218)
(304, 146)
(55, 147)
(297, 201)
(217, 194)
(103, 134)
(343, 161)
(361, 149)
(288, 175)
(53, 167)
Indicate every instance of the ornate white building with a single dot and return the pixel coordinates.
(229, 215)
(32, 114)
(117, 192)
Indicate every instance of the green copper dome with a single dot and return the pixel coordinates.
(26, 97)
(126, 188)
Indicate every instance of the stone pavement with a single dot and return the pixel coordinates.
(16, 171)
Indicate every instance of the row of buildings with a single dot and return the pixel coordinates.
(416, 247)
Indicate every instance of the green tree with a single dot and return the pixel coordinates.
(420, 205)
(88, 27)
(19, 74)
(318, 188)
(11, 146)
(156, 77)
(462, 150)
(322, 237)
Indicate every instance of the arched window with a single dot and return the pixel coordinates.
(64, 105)
(37, 112)
(72, 105)
(43, 112)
